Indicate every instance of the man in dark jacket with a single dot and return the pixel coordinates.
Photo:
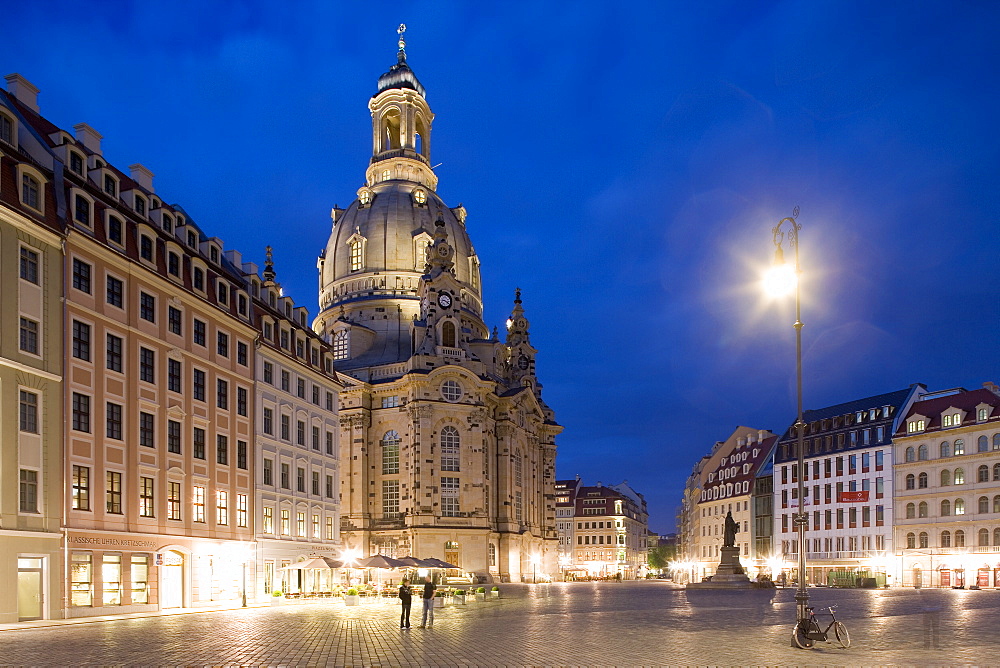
(405, 597)
(428, 600)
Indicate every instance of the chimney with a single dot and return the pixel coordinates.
(89, 137)
(23, 91)
(760, 436)
(992, 387)
(142, 176)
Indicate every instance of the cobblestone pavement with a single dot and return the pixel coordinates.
(593, 624)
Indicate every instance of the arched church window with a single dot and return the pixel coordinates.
(390, 453)
(518, 469)
(357, 258)
(448, 334)
(450, 446)
(365, 197)
(493, 553)
(341, 344)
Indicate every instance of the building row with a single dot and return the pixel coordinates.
(603, 530)
(175, 431)
(901, 488)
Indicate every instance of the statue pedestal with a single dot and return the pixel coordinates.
(730, 563)
(729, 574)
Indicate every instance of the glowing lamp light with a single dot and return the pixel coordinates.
(351, 555)
(780, 280)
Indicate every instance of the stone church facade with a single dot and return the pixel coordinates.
(447, 448)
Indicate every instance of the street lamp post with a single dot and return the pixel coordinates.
(244, 584)
(783, 274)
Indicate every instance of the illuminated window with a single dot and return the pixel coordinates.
(959, 477)
(300, 524)
(356, 255)
(286, 523)
(222, 508)
(365, 197)
(959, 506)
(419, 196)
(268, 520)
(241, 510)
(386, 175)
(198, 504)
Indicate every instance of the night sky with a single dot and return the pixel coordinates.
(623, 163)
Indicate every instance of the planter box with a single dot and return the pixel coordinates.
(277, 600)
(459, 599)
(352, 599)
(480, 596)
(495, 593)
(439, 602)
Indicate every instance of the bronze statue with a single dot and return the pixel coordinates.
(731, 529)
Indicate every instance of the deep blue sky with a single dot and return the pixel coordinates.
(623, 163)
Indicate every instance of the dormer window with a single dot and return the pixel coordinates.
(241, 304)
(341, 342)
(174, 263)
(198, 278)
(365, 197)
(222, 292)
(914, 426)
(214, 254)
(953, 420)
(419, 196)
(168, 223)
(110, 185)
(981, 414)
(357, 253)
(75, 163)
(6, 129)
(115, 233)
(81, 210)
(140, 205)
(31, 192)
(192, 239)
(872, 413)
(146, 248)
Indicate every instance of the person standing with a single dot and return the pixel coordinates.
(428, 600)
(405, 598)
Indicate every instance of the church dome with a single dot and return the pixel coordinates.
(377, 247)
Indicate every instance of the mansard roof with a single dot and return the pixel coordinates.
(966, 400)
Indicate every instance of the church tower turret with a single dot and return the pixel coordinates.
(522, 354)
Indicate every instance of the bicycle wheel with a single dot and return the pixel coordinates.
(843, 637)
(801, 640)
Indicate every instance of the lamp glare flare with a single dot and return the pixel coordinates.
(780, 280)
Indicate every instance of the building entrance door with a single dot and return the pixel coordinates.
(29, 589)
(172, 580)
(918, 578)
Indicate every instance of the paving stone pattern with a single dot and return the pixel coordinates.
(576, 624)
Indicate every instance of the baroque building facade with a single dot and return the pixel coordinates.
(447, 448)
(31, 344)
(947, 487)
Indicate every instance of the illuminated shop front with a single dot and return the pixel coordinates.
(113, 573)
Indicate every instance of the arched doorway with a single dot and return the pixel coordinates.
(171, 565)
(918, 577)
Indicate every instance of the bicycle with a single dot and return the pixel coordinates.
(806, 638)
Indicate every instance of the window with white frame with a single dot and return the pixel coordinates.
(341, 344)
(450, 448)
(390, 499)
(449, 497)
(390, 453)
